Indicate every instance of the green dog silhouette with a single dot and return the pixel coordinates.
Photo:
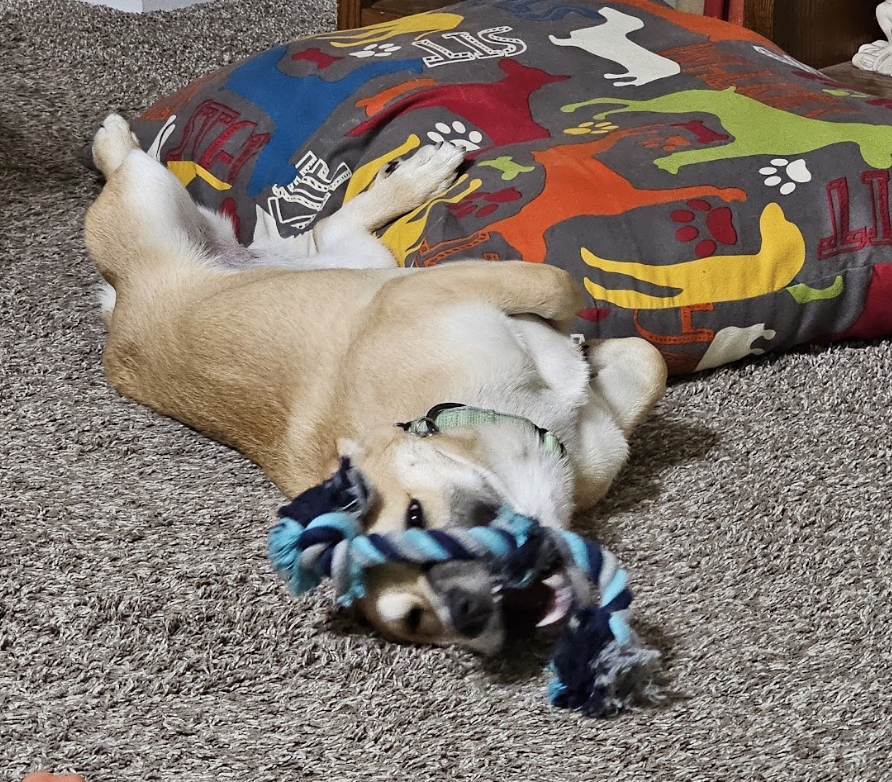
(757, 129)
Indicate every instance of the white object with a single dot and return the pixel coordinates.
(877, 56)
(733, 343)
(138, 6)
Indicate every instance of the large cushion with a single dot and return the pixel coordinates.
(711, 193)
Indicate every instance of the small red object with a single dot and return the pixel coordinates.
(714, 8)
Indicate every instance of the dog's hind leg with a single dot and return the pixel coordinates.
(629, 374)
(144, 218)
(346, 236)
(112, 144)
(628, 379)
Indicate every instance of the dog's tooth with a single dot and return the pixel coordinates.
(561, 604)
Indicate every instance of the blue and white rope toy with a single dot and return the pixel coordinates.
(600, 664)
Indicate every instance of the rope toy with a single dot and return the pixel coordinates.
(600, 664)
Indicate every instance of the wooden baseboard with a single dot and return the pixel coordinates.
(361, 13)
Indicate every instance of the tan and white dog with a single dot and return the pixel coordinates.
(295, 361)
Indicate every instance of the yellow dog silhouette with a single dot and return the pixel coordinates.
(717, 278)
(421, 24)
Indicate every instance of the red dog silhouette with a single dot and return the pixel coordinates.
(500, 109)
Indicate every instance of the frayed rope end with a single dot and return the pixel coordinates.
(599, 674)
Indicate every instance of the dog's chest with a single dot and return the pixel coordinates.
(518, 364)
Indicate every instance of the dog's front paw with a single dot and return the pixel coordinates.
(431, 170)
(112, 143)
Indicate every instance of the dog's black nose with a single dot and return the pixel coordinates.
(464, 589)
(470, 611)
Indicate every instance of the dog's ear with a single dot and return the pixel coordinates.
(348, 447)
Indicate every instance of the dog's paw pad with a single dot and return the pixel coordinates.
(391, 166)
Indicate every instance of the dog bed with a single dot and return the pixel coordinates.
(712, 194)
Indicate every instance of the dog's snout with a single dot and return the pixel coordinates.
(470, 611)
(463, 588)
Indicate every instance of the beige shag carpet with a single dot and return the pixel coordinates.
(143, 636)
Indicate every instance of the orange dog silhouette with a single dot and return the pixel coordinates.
(577, 184)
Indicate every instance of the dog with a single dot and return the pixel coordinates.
(299, 360)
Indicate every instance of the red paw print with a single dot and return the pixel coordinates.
(491, 202)
(719, 224)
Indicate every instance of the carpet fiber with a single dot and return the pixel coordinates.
(143, 637)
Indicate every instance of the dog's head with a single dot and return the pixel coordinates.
(452, 479)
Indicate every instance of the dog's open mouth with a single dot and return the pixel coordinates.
(545, 602)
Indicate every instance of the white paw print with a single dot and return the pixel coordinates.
(797, 172)
(376, 50)
(468, 140)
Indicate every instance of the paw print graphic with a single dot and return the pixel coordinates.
(376, 50)
(586, 128)
(666, 143)
(483, 204)
(796, 172)
(719, 226)
(457, 134)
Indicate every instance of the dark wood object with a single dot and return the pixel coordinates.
(871, 83)
(361, 13)
(817, 32)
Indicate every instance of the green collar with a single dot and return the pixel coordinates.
(450, 415)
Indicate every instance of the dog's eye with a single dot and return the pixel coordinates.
(415, 515)
(413, 620)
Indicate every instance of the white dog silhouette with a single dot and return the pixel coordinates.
(609, 41)
(733, 343)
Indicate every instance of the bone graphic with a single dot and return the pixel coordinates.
(610, 41)
(803, 293)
